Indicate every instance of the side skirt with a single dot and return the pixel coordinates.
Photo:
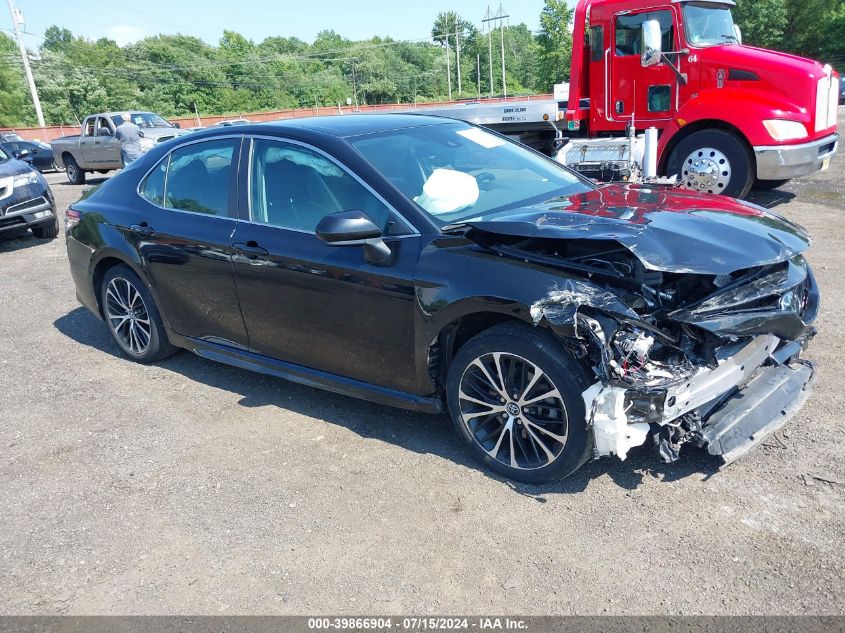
(246, 359)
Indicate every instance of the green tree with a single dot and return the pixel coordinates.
(555, 45)
(763, 22)
(15, 105)
(814, 27)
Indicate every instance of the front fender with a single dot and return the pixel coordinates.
(748, 109)
(469, 280)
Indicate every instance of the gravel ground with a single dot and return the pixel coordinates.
(192, 487)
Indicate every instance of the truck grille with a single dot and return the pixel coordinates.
(827, 101)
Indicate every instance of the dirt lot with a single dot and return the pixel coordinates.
(192, 487)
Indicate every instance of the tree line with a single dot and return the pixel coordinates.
(176, 75)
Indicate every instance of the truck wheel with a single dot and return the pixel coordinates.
(713, 161)
(768, 185)
(75, 175)
(46, 231)
(515, 398)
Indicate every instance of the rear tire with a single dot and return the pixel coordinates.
(132, 316)
(510, 427)
(75, 174)
(46, 231)
(713, 161)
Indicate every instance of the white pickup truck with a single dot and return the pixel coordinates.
(97, 149)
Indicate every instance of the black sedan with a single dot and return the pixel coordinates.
(26, 201)
(429, 264)
(39, 155)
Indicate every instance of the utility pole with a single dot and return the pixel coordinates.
(504, 83)
(478, 74)
(354, 84)
(486, 21)
(448, 64)
(502, 15)
(489, 18)
(458, 50)
(17, 20)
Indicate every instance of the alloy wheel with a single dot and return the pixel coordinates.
(707, 169)
(128, 316)
(513, 410)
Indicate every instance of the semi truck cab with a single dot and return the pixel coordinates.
(728, 115)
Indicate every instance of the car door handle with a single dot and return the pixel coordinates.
(251, 248)
(143, 229)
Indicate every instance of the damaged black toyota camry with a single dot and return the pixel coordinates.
(429, 264)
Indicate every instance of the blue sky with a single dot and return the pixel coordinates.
(128, 20)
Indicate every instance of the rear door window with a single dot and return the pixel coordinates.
(196, 178)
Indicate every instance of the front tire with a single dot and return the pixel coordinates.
(713, 161)
(515, 398)
(46, 231)
(75, 174)
(132, 316)
(769, 185)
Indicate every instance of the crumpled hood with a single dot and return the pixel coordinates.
(668, 230)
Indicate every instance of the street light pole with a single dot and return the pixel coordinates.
(25, 59)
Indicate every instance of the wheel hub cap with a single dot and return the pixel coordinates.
(708, 170)
(513, 411)
(127, 315)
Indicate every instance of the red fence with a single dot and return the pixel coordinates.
(49, 133)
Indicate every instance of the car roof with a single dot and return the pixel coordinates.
(345, 125)
(121, 112)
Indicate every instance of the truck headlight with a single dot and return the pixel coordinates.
(782, 130)
(21, 180)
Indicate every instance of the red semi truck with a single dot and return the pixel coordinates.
(728, 116)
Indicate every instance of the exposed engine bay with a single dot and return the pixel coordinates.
(679, 354)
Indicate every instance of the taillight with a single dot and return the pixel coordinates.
(72, 218)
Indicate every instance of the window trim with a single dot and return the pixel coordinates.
(640, 11)
(283, 139)
(235, 162)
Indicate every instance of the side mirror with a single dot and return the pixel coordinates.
(104, 131)
(354, 228)
(738, 34)
(21, 154)
(176, 124)
(652, 40)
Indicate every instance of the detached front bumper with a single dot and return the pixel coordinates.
(761, 407)
(779, 162)
(730, 408)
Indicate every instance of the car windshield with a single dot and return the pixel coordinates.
(457, 172)
(142, 120)
(709, 24)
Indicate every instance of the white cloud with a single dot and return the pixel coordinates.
(125, 34)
